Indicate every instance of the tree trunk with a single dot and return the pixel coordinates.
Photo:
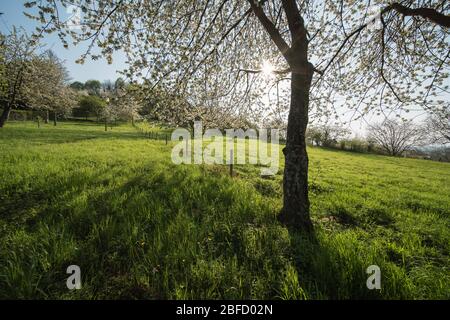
(295, 211)
(47, 116)
(54, 119)
(106, 124)
(5, 115)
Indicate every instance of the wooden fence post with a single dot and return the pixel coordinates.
(231, 162)
(188, 152)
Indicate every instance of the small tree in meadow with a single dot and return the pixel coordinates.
(326, 135)
(396, 137)
(92, 104)
(17, 51)
(93, 87)
(77, 86)
(48, 89)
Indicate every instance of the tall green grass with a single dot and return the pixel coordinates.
(141, 227)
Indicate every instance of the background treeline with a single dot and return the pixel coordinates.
(390, 137)
(35, 84)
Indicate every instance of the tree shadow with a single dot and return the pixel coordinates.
(330, 271)
(143, 222)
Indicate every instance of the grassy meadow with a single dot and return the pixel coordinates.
(141, 227)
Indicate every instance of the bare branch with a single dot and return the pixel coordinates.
(270, 28)
(427, 13)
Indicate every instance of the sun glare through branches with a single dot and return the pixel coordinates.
(267, 68)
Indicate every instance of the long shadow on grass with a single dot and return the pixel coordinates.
(169, 232)
(333, 266)
(328, 270)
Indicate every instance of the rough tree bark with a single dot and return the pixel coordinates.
(6, 111)
(295, 212)
(295, 180)
(5, 115)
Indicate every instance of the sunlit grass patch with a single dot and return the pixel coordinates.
(141, 227)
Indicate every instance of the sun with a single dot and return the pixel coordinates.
(267, 68)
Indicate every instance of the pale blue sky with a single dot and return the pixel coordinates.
(100, 70)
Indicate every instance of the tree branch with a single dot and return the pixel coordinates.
(284, 71)
(270, 28)
(427, 13)
(383, 49)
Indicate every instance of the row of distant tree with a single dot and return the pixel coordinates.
(31, 78)
(139, 101)
(430, 139)
(34, 79)
(105, 100)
